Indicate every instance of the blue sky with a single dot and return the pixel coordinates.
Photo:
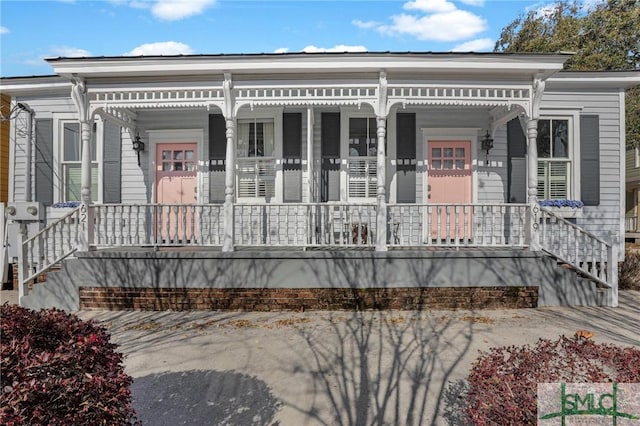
(31, 30)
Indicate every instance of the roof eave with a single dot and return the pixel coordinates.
(539, 65)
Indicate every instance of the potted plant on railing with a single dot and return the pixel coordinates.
(563, 208)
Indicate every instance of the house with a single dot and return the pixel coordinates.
(5, 110)
(632, 201)
(286, 181)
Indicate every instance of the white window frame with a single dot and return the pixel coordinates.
(59, 181)
(272, 115)
(346, 115)
(573, 148)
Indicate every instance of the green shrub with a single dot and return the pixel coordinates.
(60, 370)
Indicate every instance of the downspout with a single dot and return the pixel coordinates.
(28, 191)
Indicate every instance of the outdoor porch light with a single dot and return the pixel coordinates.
(487, 144)
(138, 146)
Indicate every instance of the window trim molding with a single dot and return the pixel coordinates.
(59, 119)
(346, 114)
(274, 115)
(573, 116)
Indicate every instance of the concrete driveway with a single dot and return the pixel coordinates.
(329, 368)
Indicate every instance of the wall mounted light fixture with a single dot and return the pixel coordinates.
(138, 146)
(487, 144)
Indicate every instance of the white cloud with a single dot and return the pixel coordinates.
(161, 48)
(281, 50)
(68, 52)
(338, 48)
(175, 10)
(430, 6)
(473, 2)
(450, 26)
(4, 30)
(434, 20)
(365, 24)
(479, 45)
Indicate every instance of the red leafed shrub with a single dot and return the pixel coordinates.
(60, 370)
(503, 381)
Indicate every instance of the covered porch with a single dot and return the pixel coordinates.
(381, 155)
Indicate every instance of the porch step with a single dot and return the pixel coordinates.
(582, 275)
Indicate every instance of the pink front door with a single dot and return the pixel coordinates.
(449, 182)
(176, 186)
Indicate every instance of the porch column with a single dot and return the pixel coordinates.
(229, 186)
(381, 220)
(81, 101)
(532, 182)
(310, 120)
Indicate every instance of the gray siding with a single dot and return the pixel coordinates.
(604, 219)
(43, 108)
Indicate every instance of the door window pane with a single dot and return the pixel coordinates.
(459, 152)
(436, 152)
(448, 152)
(448, 164)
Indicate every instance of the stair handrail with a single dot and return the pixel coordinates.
(587, 253)
(48, 247)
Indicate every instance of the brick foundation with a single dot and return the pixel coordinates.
(284, 299)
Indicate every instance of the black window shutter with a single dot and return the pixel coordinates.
(292, 135)
(330, 153)
(330, 134)
(590, 160)
(217, 141)
(112, 163)
(516, 139)
(406, 136)
(44, 161)
(292, 153)
(516, 148)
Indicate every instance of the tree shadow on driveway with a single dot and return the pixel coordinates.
(199, 397)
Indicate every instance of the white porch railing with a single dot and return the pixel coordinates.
(126, 225)
(630, 223)
(307, 225)
(49, 246)
(590, 255)
(458, 225)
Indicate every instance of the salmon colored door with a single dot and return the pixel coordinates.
(449, 182)
(176, 188)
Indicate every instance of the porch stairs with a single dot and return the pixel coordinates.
(572, 248)
(575, 249)
(45, 251)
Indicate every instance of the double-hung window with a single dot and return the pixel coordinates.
(363, 149)
(255, 158)
(72, 162)
(554, 162)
